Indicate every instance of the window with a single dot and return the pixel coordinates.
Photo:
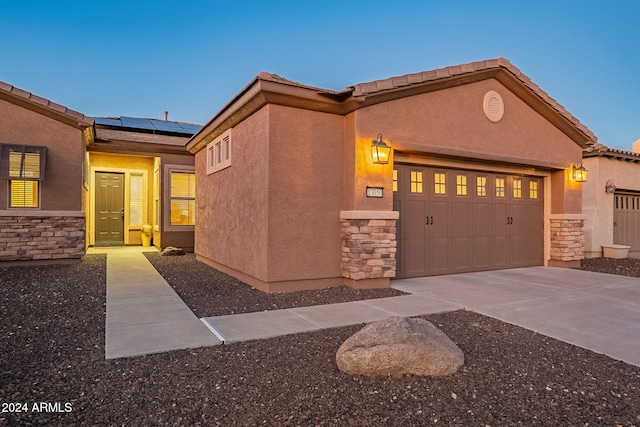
(219, 153)
(440, 183)
(24, 194)
(395, 180)
(461, 185)
(517, 188)
(182, 198)
(481, 185)
(499, 187)
(135, 199)
(533, 189)
(416, 182)
(23, 166)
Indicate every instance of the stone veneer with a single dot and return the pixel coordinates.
(369, 245)
(567, 239)
(37, 236)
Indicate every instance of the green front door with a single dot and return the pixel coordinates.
(109, 209)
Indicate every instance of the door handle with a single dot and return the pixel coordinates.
(122, 213)
(429, 220)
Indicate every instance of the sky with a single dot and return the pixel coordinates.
(139, 58)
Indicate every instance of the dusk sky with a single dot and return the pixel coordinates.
(139, 58)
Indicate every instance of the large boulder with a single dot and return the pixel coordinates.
(397, 346)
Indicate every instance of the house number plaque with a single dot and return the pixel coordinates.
(375, 192)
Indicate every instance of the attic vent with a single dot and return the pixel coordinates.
(493, 106)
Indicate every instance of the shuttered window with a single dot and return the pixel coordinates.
(23, 166)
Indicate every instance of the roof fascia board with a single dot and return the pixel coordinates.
(51, 110)
(257, 95)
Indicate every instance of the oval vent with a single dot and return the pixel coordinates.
(493, 106)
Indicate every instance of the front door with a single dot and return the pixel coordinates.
(109, 209)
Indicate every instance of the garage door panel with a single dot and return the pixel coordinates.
(469, 221)
(626, 220)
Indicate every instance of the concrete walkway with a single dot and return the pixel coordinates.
(144, 314)
(600, 312)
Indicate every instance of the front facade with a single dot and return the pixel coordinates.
(480, 178)
(140, 174)
(70, 181)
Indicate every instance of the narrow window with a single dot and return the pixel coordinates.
(135, 199)
(499, 187)
(218, 153)
(183, 198)
(416, 182)
(395, 180)
(533, 190)
(440, 183)
(481, 186)
(461, 185)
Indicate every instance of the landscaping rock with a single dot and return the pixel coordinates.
(172, 251)
(397, 346)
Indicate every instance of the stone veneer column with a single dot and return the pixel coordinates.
(567, 240)
(41, 235)
(369, 248)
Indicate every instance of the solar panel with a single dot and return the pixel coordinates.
(154, 125)
(135, 123)
(107, 121)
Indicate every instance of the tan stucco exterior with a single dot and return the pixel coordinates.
(61, 189)
(301, 163)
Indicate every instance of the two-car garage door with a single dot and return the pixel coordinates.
(454, 221)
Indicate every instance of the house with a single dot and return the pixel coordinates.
(293, 194)
(74, 181)
(611, 199)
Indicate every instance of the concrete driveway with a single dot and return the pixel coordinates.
(600, 312)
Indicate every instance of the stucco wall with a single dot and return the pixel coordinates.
(452, 122)
(232, 204)
(305, 194)
(61, 189)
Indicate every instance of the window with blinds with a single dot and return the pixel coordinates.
(183, 198)
(23, 166)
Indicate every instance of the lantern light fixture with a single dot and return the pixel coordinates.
(580, 173)
(380, 151)
(610, 187)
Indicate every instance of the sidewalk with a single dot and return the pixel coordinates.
(599, 312)
(144, 314)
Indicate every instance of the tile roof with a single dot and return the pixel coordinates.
(38, 101)
(601, 150)
(394, 83)
(440, 74)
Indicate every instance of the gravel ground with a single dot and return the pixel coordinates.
(52, 342)
(209, 292)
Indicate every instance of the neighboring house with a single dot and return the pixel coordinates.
(611, 198)
(72, 181)
(480, 178)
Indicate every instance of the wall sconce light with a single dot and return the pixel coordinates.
(380, 151)
(610, 187)
(580, 173)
